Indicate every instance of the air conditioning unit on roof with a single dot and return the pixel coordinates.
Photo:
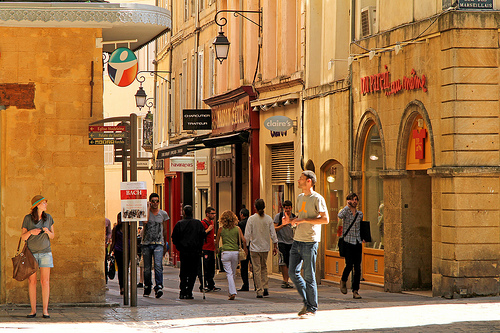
(368, 21)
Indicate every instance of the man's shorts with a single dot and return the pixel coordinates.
(44, 259)
(285, 251)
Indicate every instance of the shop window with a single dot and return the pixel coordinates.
(333, 177)
(373, 192)
(282, 175)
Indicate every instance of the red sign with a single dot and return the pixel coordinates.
(107, 128)
(133, 194)
(382, 82)
(419, 135)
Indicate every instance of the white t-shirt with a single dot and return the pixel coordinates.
(308, 207)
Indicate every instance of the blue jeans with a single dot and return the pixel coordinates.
(148, 251)
(304, 254)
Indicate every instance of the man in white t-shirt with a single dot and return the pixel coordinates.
(312, 212)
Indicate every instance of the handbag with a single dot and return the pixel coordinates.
(341, 243)
(24, 263)
(365, 232)
(111, 267)
(241, 252)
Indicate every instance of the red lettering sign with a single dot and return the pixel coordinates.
(382, 82)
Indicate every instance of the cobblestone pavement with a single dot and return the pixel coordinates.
(376, 312)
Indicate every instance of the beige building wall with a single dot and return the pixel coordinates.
(459, 57)
(45, 150)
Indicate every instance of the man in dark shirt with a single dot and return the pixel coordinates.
(188, 237)
(208, 253)
(244, 214)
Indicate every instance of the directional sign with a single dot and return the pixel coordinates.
(105, 141)
(96, 128)
(101, 135)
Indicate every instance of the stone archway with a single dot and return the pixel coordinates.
(415, 207)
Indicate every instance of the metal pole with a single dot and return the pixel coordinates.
(125, 229)
(133, 224)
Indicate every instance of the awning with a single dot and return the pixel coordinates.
(224, 140)
(202, 142)
(270, 101)
(119, 21)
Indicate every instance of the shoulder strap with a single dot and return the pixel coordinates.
(281, 219)
(352, 223)
(19, 244)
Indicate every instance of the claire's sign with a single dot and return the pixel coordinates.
(382, 82)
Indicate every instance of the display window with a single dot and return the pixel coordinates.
(373, 190)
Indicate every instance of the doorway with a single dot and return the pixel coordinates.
(417, 231)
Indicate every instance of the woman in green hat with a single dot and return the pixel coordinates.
(38, 230)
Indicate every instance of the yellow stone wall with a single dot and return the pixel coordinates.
(460, 60)
(45, 151)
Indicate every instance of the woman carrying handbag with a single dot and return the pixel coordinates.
(37, 231)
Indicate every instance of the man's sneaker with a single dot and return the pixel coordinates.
(216, 289)
(147, 291)
(343, 287)
(308, 314)
(140, 285)
(356, 295)
(283, 284)
(266, 292)
(286, 285)
(302, 311)
(158, 291)
(243, 288)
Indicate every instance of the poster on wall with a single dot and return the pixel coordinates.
(134, 199)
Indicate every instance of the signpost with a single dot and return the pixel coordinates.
(115, 137)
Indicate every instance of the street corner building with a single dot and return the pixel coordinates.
(423, 124)
(51, 89)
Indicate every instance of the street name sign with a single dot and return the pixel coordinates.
(97, 128)
(103, 135)
(105, 141)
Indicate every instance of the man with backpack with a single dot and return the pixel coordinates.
(285, 240)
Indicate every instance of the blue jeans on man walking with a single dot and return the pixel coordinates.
(148, 252)
(303, 254)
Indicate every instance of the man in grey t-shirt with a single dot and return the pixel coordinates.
(285, 240)
(154, 244)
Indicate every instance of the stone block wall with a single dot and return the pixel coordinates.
(45, 150)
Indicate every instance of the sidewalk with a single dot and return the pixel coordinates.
(376, 312)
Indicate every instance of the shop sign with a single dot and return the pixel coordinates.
(122, 67)
(202, 165)
(231, 117)
(278, 125)
(382, 82)
(134, 201)
(419, 135)
(475, 4)
(181, 164)
(197, 119)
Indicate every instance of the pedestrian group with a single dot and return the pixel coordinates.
(295, 236)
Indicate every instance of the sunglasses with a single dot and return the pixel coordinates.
(155, 201)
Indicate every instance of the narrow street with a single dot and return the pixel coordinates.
(376, 312)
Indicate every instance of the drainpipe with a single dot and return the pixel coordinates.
(240, 51)
(351, 101)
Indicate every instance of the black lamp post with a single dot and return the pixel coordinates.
(221, 43)
(140, 98)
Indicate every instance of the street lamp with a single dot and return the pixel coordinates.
(221, 43)
(140, 98)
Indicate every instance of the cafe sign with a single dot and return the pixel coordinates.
(383, 82)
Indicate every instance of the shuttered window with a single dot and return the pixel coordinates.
(282, 163)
